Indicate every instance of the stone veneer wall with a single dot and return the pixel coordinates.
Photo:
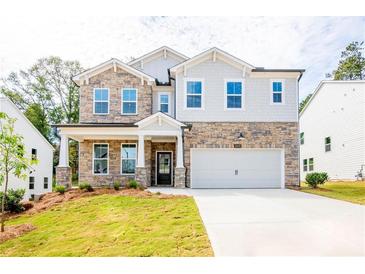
(115, 81)
(85, 163)
(161, 147)
(257, 135)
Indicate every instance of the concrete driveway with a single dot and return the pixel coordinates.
(278, 222)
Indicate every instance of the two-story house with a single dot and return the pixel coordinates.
(39, 179)
(332, 131)
(210, 121)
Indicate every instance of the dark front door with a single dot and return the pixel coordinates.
(164, 168)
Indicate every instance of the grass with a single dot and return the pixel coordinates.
(353, 192)
(108, 225)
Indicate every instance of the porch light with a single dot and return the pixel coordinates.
(240, 136)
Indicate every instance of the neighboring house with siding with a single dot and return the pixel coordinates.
(39, 179)
(332, 130)
(210, 121)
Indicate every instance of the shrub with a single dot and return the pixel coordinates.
(116, 185)
(13, 200)
(316, 178)
(60, 189)
(86, 186)
(132, 184)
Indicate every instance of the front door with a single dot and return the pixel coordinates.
(164, 168)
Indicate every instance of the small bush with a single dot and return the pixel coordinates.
(316, 178)
(158, 193)
(132, 184)
(116, 185)
(13, 200)
(60, 189)
(141, 187)
(86, 186)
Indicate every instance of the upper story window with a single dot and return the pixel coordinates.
(129, 157)
(302, 138)
(101, 101)
(164, 102)
(34, 154)
(277, 91)
(234, 98)
(101, 158)
(31, 182)
(194, 94)
(129, 101)
(327, 144)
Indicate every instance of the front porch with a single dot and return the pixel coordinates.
(149, 151)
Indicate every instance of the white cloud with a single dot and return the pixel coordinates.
(313, 43)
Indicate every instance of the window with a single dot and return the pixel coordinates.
(31, 182)
(327, 144)
(302, 138)
(101, 158)
(129, 101)
(34, 154)
(101, 101)
(164, 103)
(305, 165)
(233, 94)
(311, 164)
(194, 90)
(129, 156)
(45, 182)
(277, 89)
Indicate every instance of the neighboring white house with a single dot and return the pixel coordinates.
(332, 130)
(39, 180)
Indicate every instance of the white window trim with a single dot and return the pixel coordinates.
(243, 97)
(305, 165)
(121, 102)
(121, 159)
(310, 164)
(101, 101)
(282, 92)
(99, 174)
(169, 100)
(186, 93)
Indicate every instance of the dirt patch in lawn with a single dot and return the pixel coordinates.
(54, 198)
(12, 232)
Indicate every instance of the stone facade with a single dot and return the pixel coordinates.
(115, 81)
(179, 178)
(256, 135)
(86, 163)
(64, 176)
(141, 176)
(161, 147)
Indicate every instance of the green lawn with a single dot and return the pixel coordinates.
(110, 225)
(347, 191)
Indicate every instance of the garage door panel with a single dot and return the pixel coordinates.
(226, 168)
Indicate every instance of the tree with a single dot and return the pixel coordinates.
(352, 63)
(12, 158)
(46, 89)
(304, 102)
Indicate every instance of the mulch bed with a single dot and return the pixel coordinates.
(12, 232)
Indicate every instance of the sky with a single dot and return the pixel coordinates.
(310, 43)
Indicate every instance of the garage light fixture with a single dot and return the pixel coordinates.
(240, 136)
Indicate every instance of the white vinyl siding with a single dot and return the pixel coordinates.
(155, 100)
(336, 111)
(257, 96)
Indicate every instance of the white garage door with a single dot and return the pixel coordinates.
(236, 168)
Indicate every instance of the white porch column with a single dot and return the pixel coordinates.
(63, 162)
(179, 152)
(140, 157)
